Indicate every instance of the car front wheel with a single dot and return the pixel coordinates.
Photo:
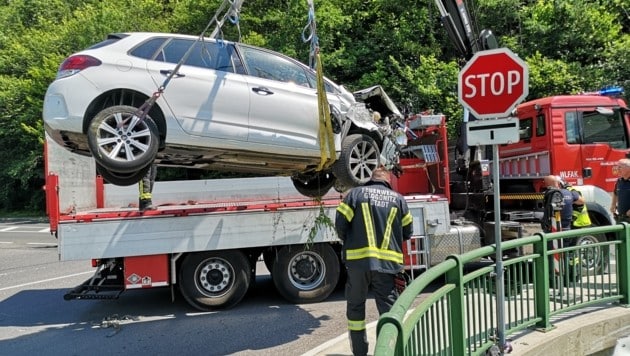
(358, 159)
(120, 141)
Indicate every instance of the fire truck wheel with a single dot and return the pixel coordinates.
(212, 280)
(358, 159)
(306, 275)
(593, 259)
(120, 142)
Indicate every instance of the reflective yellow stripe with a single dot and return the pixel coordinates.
(407, 219)
(369, 226)
(381, 254)
(143, 195)
(346, 211)
(388, 228)
(356, 325)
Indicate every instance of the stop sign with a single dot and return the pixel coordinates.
(492, 83)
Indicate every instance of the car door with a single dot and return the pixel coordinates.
(283, 103)
(208, 95)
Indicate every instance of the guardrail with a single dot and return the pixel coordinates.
(459, 318)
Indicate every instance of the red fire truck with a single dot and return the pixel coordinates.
(580, 136)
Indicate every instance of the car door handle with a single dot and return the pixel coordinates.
(262, 91)
(168, 72)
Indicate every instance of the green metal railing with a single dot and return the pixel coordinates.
(459, 317)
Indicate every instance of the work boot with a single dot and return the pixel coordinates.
(145, 204)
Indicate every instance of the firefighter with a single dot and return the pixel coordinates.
(620, 206)
(145, 186)
(570, 198)
(580, 213)
(372, 222)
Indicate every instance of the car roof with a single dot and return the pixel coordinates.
(139, 36)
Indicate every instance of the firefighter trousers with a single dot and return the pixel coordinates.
(357, 285)
(146, 183)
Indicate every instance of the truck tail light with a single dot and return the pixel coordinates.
(74, 64)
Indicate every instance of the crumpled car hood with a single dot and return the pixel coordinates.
(376, 99)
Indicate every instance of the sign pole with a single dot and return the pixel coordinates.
(500, 292)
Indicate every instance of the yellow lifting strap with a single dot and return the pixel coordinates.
(325, 136)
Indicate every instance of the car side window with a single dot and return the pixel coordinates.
(205, 54)
(148, 48)
(267, 65)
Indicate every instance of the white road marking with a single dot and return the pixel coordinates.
(45, 280)
(9, 228)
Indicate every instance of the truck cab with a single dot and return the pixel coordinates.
(577, 137)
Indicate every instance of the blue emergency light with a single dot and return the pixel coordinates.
(611, 91)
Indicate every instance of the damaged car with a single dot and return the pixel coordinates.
(226, 106)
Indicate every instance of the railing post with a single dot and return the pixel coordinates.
(541, 283)
(623, 254)
(457, 313)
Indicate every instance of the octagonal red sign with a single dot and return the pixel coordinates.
(492, 83)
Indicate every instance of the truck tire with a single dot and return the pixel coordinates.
(304, 275)
(125, 149)
(215, 279)
(593, 260)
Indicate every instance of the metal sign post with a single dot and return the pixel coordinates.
(499, 251)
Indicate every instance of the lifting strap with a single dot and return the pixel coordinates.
(325, 134)
(229, 10)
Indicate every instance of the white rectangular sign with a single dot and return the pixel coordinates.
(492, 132)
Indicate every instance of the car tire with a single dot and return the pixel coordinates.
(358, 159)
(127, 149)
(121, 179)
(314, 185)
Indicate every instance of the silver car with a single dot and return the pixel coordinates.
(229, 107)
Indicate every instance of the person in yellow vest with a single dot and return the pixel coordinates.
(372, 221)
(580, 213)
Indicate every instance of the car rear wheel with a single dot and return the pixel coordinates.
(315, 184)
(358, 159)
(120, 141)
(122, 179)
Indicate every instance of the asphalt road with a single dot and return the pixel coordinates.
(36, 320)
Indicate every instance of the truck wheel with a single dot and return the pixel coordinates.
(306, 275)
(120, 142)
(358, 159)
(594, 259)
(212, 280)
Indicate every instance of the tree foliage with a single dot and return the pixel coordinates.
(569, 45)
